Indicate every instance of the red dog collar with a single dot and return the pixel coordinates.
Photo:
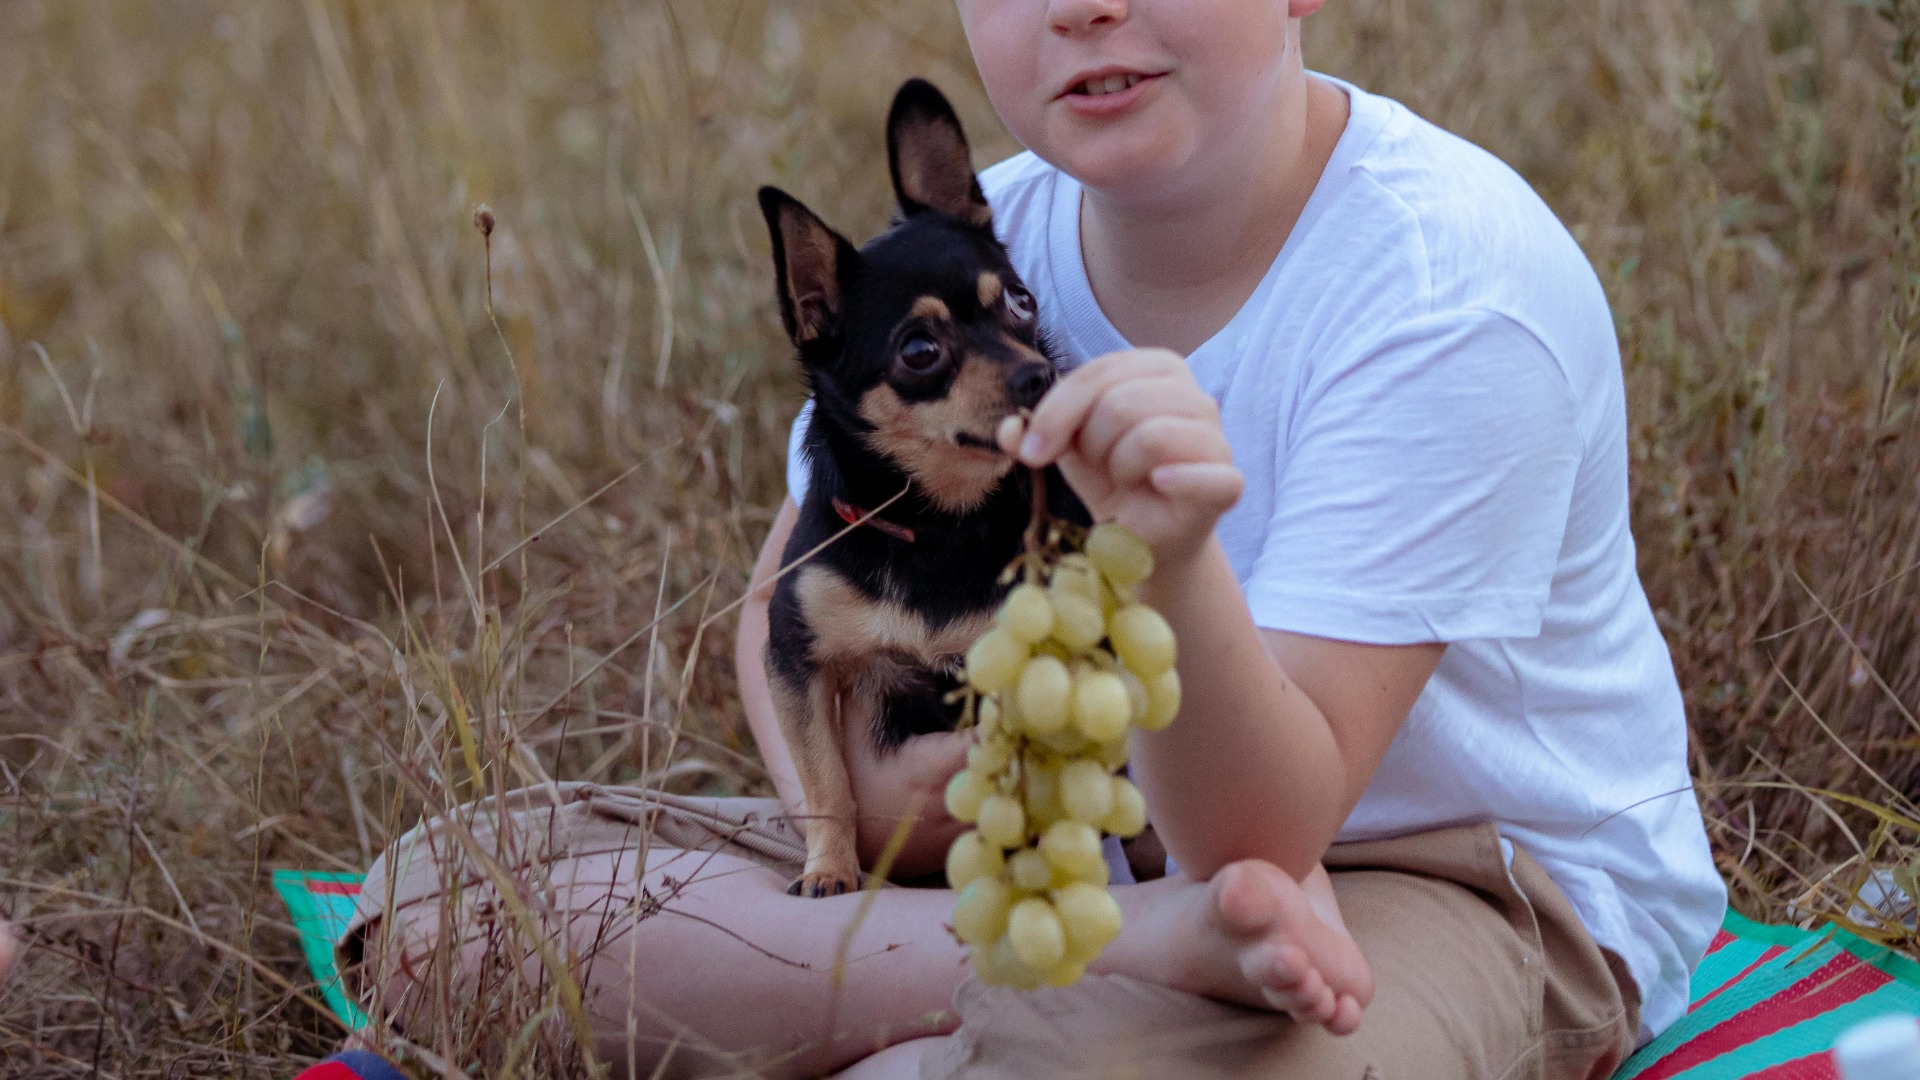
(852, 514)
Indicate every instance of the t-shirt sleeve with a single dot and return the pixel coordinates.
(797, 455)
(1423, 489)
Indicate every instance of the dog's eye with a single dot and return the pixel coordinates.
(920, 353)
(1019, 303)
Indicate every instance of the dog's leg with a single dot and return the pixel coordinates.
(810, 718)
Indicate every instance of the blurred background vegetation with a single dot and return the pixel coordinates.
(295, 537)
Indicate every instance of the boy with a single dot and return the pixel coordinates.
(1360, 391)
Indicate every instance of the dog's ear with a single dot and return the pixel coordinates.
(927, 153)
(810, 262)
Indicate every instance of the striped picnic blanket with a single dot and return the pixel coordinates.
(1768, 1001)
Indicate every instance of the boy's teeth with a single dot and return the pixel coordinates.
(1112, 84)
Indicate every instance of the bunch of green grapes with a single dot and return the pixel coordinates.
(1074, 661)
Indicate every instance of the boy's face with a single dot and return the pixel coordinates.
(1129, 96)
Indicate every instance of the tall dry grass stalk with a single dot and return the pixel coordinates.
(306, 526)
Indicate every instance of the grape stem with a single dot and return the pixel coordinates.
(1037, 523)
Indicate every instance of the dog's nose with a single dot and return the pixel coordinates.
(1028, 382)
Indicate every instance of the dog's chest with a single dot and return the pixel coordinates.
(849, 626)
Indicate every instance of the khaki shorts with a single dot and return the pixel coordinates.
(1482, 969)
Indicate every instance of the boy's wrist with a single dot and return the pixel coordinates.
(1175, 571)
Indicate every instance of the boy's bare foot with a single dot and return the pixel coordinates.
(1251, 935)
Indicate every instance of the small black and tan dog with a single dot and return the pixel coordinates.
(915, 348)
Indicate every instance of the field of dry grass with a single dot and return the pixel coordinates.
(293, 542)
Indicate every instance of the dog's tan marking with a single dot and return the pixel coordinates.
(989, 287)
(1020, 348)
(849, 626)
(861, 646)
(815, 736)
(919, 437)
(930, 307)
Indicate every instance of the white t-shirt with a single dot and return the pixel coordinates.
(1425, 396)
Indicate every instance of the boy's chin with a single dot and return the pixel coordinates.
(1130, 169)
(1138, 156)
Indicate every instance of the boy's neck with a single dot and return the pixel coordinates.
(1173, 271)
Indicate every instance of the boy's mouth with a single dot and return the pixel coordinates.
(1106, 82)
(1112, 84)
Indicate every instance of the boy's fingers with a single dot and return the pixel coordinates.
(1065, 407)
(1210, 484)
(1008, 435)
(1163, 440)
(1124, 406)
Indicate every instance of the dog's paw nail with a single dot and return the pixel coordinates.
(794, 889)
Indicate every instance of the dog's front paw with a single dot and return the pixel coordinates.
(824, 882)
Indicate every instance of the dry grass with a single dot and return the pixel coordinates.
(268, 475)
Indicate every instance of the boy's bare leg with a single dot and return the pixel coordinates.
(1252, 935)
(1257, 938)
(733, 964)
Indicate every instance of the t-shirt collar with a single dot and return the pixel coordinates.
(1084, 330)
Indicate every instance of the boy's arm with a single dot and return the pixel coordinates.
(1278, 733)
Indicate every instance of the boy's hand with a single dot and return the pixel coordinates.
(1141, 444)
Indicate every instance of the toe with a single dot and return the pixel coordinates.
(1312, 993)
(1346, 1016)
(1325, 1006)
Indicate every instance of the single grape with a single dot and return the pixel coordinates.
(1077, 620)
(1027, 614)
(1087, 873)
(1129, 814)
(1163, 700)
(1142, 639)
(1089, 916)
(1120, 554)
(1080, 952)
(1002, 821)
(964, 794)
(1074, 846)
(971, 858)
(1086, 790)
(980, 912)
(1075, 573)
(1030, 870)
(1137, 699)
(1035, 932)
(1041, 784)
(1100, 706)
(987, 714)
(994, 661)
(1007, 969)
(989, 756)
(1043, 694)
